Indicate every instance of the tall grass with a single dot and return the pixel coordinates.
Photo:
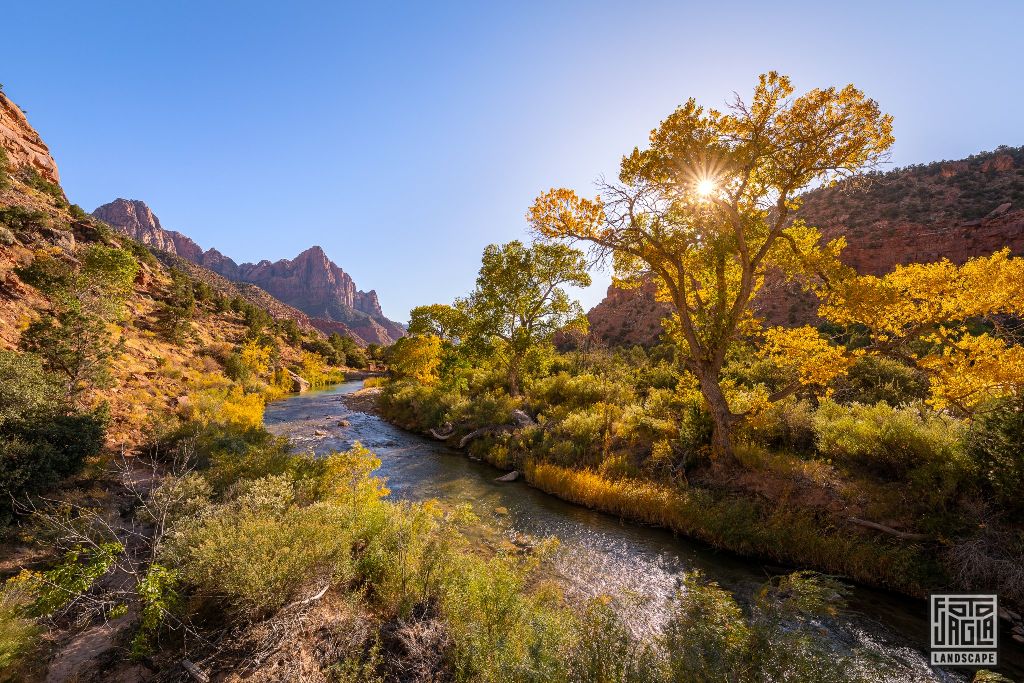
(744, 527)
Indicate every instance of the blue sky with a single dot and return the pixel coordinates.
(403, 138)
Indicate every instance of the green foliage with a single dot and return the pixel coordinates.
(73, 339)
(872, 379)
(19, 633)
(178, 308)
(416, 406)
(605, 649)
(507, 322)
(55, 588)
(449, 323)
(709, 639)
(5, 176)
(900, 444)
(996, 442)
(41, 438)
(158, 592)
(22, 220)
(30, 176)
(259, 549)
(288, 328)
(271, 534)
(707, 634)
(73, 345)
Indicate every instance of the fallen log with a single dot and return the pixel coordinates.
(522, 418)
(905, 535)
(195, 672)
(447, 430)
(483, 431)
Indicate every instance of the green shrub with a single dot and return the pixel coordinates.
(895, 443)
(584, 437)
(30, 176)
(996, 442)
(709, 639)
(19, 633)
(416, 406)
(5, 178)
(575, 391)
(41, 438)
(22, 220)
(786, 425)
(872, 379)
(259, 549)
(707, 633)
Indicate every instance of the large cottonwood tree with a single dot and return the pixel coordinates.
(707, 210)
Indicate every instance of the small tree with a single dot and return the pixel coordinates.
(707, 210)
(519, 301)
(73, 339)
(441, 320)
(417, 357)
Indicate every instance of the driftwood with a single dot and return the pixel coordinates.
(477, 433)
(905, 535)
(195, 672)
(445, 433)
(519, 417)
(313, 598)
(522, 419)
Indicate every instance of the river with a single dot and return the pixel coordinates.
(598, 553)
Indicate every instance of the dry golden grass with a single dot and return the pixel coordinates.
(743, 525)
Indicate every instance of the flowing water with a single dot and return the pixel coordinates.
(598, 554)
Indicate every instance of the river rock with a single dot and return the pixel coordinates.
(511, 476)
(299, 384)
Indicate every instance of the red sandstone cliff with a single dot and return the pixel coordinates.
(22, 143)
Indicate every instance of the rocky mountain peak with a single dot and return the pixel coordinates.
(310, 282)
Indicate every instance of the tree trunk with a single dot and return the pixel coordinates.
(513, 381)
(721, 416)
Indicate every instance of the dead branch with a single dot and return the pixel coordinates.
(905, 535)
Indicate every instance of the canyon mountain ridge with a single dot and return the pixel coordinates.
(310, 282)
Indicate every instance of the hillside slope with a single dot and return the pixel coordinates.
(150, 374)
(947, 209)
(310, 282)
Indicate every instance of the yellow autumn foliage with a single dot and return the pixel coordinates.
(225, 406)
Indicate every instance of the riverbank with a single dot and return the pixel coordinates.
(726, 518)
(598, 553)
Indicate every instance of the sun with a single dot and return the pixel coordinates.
(705, 187)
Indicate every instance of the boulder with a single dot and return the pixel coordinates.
(299, 384)
(999, 210)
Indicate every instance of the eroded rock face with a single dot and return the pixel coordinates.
(627, 317)
(136, 220)
(21, 141)
(310, 282)
(954, 210)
